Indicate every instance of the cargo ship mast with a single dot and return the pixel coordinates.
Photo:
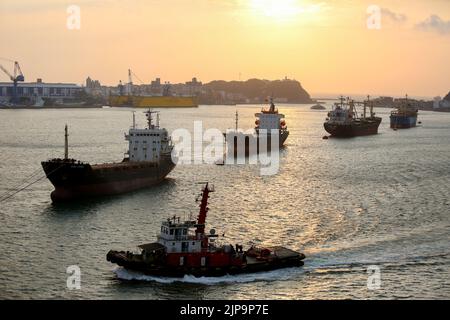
(150, 119)
(370, 104)
(66, 143)
(272, 105)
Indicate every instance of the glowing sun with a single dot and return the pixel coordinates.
(278, 9)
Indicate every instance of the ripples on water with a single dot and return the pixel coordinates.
(379, 200)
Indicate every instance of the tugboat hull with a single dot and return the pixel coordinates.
(284, 258)
(353, 129)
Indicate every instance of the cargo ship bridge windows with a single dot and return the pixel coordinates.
(146, 145)
(269, 121)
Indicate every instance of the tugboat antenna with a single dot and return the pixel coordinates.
(237, 120)
(66, 143)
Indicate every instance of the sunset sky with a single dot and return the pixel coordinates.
(326, 45)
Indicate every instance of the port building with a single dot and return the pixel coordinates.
(33, 90)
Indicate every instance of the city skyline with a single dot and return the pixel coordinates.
(327, 46)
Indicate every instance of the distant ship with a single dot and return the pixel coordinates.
(135, 101)
(404, 116)
(147, 162)
(184, 248)
(165, 100)
(318, 107)
(343, 120)
(267, 120)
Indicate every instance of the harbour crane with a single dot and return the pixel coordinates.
(131, 74)
(15, 78)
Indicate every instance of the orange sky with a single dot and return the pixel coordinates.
(326, 45)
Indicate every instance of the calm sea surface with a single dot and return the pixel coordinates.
(349, 204)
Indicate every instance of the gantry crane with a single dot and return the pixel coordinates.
(15, 78)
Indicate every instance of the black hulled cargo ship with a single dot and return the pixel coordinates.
(343, 120)
(147, 162)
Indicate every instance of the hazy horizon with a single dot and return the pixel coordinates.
(325, 45)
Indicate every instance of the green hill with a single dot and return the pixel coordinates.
(256, 90)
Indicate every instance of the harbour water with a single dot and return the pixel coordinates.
(349, 204)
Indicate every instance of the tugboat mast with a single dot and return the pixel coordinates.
(66, 143)
(201, 220)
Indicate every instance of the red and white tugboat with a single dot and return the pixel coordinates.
(184, 248)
